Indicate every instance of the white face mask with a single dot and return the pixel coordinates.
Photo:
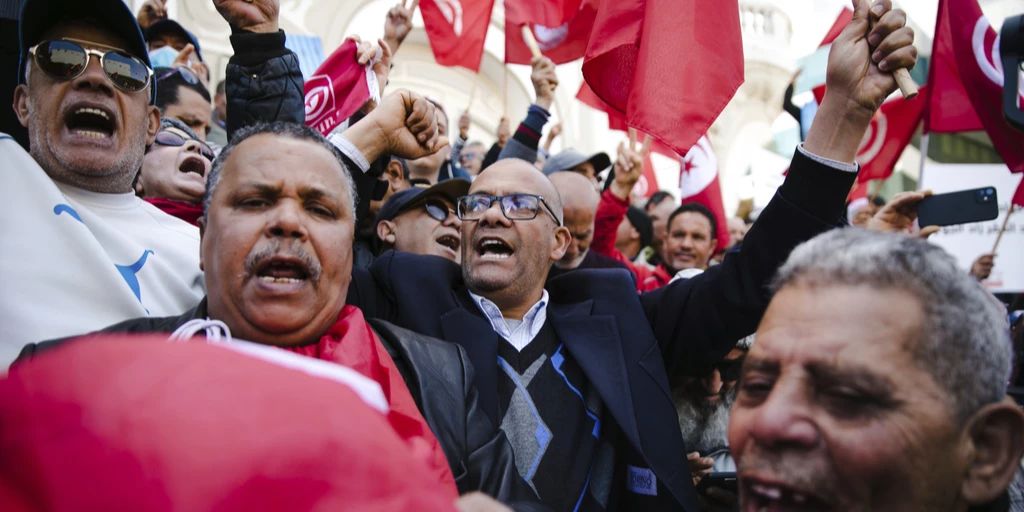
(163, 57)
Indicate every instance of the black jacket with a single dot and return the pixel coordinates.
(626, 344)
(439, 376)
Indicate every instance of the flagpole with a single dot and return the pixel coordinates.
(999, 236)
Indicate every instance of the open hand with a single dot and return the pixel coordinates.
(250, 15)
(187, 58)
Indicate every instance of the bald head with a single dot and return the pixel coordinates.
(576, 191)
(579, 202)
(512, 175)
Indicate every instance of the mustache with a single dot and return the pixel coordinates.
(793, 468)
(259, 258)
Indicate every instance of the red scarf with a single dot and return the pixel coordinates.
(188, 212)
(351, 342)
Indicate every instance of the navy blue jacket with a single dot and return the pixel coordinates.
(627, 345)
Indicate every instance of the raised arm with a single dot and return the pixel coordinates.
(264, 82)
(526, 141)
(698, 320)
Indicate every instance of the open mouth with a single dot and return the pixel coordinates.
(492, 248)
(193, 164)
(763, 497)
(449, 241)
(282, 270)
(92, 122)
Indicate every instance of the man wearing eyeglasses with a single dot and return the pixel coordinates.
(576, 372)
(423, 220)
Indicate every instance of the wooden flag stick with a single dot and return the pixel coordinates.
(531, 41)
(999, 236)
(907, 85)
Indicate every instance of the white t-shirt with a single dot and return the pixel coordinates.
(74, 261)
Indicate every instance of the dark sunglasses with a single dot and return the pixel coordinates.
(513, 206)
(186, 74)
(66, 59)
(171, 139)
(729, 370)
(437, 210)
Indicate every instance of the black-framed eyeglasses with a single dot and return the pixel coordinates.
(186, 74)
(513, 206)
(67, 59)
(437, 210)
(171, 139)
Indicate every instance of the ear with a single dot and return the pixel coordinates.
(562, 240)
(152, 124)
(996, 449)
(20, 104)
(386, 230)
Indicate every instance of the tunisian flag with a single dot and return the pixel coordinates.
(966, 80)
(698, 183)
(890, 131)
(338, 88)
(456, 30)
(120, 422)
(616, 121)
(561, 43)
(669, 66)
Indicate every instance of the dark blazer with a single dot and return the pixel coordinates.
(440, 379)
(627, 345)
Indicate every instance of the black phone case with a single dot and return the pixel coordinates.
(960, 207)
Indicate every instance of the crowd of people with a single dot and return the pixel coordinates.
(518, 330)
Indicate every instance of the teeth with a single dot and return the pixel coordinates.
(91, 134)
(279, 280)
(87, 110)
(494, 256)
(768, 492)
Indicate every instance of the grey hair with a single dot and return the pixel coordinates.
(281, 129)
(964, 343)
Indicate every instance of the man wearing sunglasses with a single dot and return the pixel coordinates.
(423, 220)
(575, 371)
(83, 250)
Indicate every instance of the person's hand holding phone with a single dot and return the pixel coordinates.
(899, 215)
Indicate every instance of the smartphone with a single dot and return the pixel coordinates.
(960, 207)
(722, 479)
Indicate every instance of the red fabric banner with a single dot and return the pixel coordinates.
(966, 52)
(456, 30)
(561, 43)
(636, 63)
(890, 131)
(336, 90)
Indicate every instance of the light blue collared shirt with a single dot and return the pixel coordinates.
(517, 332)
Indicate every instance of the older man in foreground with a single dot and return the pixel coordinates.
(878, 382)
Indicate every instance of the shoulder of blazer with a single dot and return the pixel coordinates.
(417, 356)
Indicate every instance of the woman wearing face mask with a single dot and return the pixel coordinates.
(174, 171)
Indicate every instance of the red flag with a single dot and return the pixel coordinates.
(456, 30)
(337, 89)
(561, 43)
(647, 185)
(139, 423)
(698, 183)
(616, 121)
(669, 66)
(975, 52)
(890, 131)
(844, 17)
(549, 13)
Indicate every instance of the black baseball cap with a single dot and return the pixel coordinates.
(114, 15)
(406, 200)
(642, 223)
